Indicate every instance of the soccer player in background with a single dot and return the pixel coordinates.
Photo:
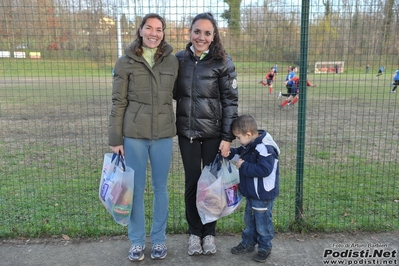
(292, 95)
(380, 71)
(269, 80)
(395, 82)
(291, 72)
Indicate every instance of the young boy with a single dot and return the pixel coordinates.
(257, 161)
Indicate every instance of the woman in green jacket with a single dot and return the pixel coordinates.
(142, 125)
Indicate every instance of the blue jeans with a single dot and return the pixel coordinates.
(259, 227)
(137, 152)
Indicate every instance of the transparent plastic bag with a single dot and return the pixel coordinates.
(231, 181)
(116, 188)
(217, 190)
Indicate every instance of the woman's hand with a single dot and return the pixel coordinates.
(118, 149)
(224, 148)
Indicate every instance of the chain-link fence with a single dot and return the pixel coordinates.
(339, 143)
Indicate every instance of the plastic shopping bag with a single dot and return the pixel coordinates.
(231, 181)
(217, 190)
(116, 187)
(210, 196)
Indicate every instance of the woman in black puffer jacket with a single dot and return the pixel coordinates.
(207, 102)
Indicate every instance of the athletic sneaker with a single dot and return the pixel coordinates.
(136, 253)
(194, 245)
(240, 249)
(261, 256)
(158, 252)
(208, 245)
(279, 95)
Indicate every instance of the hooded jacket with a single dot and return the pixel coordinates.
(260, 173)
(206, 95)
(142, 97)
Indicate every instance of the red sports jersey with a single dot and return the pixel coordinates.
(296, 81)
(270, 75)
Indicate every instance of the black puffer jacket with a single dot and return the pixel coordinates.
(207, 96)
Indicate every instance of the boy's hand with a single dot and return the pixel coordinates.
(239, 163)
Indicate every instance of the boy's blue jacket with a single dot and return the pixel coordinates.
(260, 173)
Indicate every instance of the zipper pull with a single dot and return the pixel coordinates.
(191, 140)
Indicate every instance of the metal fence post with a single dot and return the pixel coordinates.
(303, 62)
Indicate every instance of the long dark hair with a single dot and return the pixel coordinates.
(139, 39)
(216, 47)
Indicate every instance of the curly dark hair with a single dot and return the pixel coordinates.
(139, 39)
(216, 46)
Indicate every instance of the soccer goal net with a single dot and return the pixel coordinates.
(329, 67)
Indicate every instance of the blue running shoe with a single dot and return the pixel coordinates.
(158, 252)
(136, 253)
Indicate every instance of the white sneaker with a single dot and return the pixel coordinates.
(279, 95)
(194, 245)
(208, 244)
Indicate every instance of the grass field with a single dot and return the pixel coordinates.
(54, 135)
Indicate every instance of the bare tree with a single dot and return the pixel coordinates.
(386, 27)
(327, 7)
(233, 16)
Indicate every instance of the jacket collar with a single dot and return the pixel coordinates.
(262, 134)
(256, 141)
(191, 52)
(264, 138)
